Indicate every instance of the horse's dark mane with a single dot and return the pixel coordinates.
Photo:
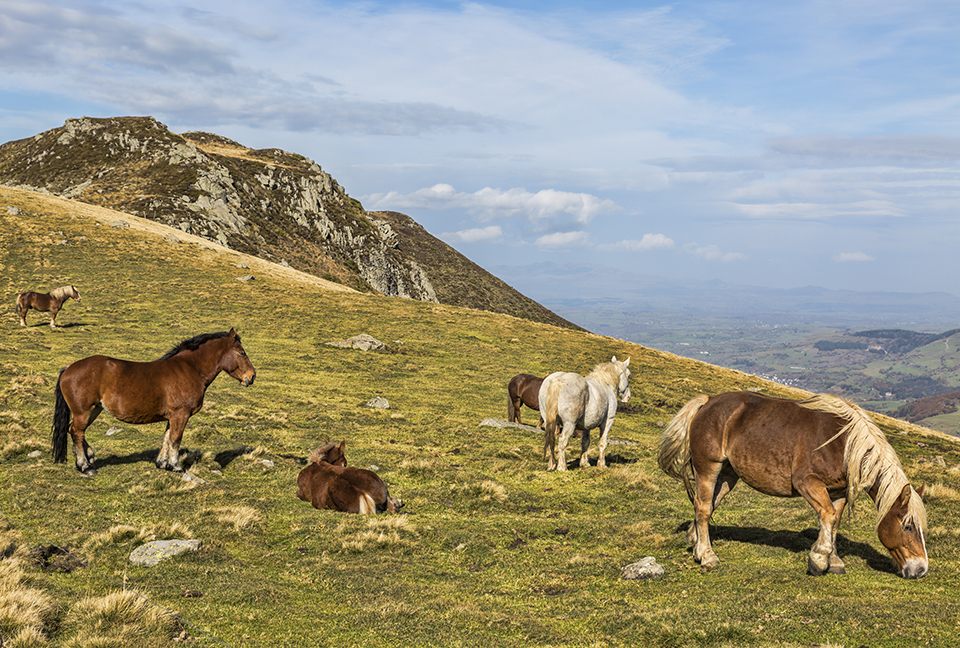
(194, 343)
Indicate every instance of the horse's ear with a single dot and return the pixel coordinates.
(613, 359)
(233, 333)
(905, 495)
(626, 363)
(343, 444)
(920, 490)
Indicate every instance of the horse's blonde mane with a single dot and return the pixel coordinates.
(607, 372)
(869, 458)
(63, 292)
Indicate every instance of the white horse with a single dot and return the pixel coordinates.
(582, 403)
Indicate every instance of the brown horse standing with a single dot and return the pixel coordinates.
(45, 302)
(328, 483)
(523, 389)
(823, 449)
(170, 389)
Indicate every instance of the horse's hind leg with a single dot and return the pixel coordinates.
(584, 449)
(81, 449)
(713, 482)
(568, 429)
(22, 312)
(726, 479)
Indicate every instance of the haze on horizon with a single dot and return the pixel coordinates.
(767, 144)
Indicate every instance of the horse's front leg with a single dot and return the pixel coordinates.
(169, 457)
(53, 316)
(836, 565)
(821, 554)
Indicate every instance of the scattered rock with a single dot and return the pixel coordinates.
(243, 266)
(363, 342)
(14, 211)
(500, 423)
(150, 554)
(246, 278)
(120, 224)
(170, 238)
(36, 454)
(266, 463)
(645, 568)
(113, 430)
(378, 402)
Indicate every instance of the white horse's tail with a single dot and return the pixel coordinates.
(675, 443)
(550, 411)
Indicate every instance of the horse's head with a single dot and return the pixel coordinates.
(76, 294)
(330, 453)
(901, 532)
(235, 360)
(623, 385)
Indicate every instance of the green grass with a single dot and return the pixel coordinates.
(491, 549)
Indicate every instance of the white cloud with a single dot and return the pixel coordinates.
(845, 257)
(713, 253)
(490, 233)
(488, 203)
(563, 240)
(821, 211)
(647, 243)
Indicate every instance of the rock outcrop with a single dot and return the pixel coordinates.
(279, 206)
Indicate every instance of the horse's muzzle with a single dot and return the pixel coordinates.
(248, 380)
(914, 568)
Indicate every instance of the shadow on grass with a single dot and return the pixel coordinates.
(799, 542)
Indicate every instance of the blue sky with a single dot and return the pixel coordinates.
(770, 144)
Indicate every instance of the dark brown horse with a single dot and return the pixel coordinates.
(523, 389)
(328, 483)
(823, 449)
(50, 302)
(170, 389)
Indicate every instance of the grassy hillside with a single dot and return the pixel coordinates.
(491, 550)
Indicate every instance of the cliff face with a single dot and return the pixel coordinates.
(277, 205)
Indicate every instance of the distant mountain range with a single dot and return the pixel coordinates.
(581, 292)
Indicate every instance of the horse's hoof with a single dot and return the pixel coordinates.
(89, 472)
(836, 570)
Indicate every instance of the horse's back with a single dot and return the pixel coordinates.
(769, 442)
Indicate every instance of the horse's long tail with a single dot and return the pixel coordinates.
(61, 423)
(550, 411)
(675, 443)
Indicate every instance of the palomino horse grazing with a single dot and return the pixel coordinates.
(328, 483)
(523, 389)
(574, 402)
(823, 449)
(44, 302)
(170, 389)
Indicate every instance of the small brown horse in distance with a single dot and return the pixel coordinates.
(823, 449)
(523, 389)
(328, 483)
(50, 302)
(170, 389)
